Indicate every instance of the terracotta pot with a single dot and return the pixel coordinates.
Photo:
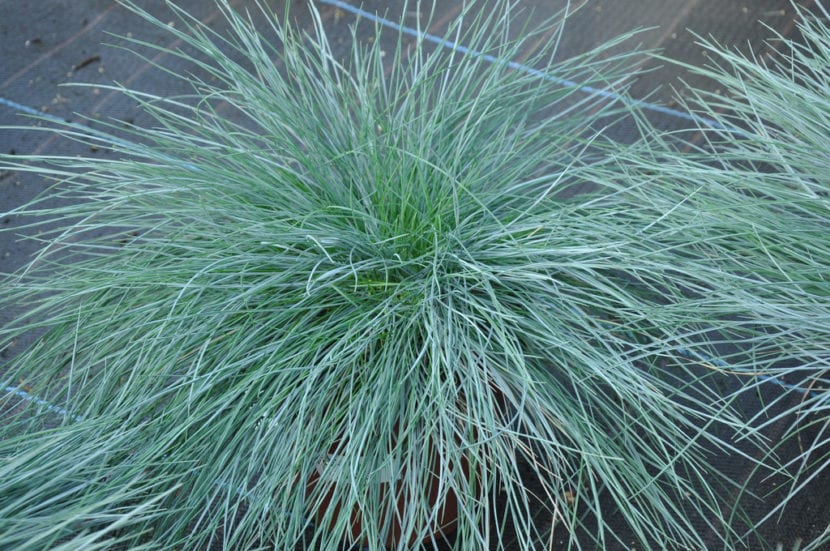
(444, 525)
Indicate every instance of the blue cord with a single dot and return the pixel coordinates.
(765, 378)
(20, 393)
(97, 134)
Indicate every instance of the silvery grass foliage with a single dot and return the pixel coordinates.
(425, 263)
(771, 140)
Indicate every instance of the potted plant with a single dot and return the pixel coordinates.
(330, 298)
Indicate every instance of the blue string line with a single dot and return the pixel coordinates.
(30, 110)
(698, 357)
(66, 122)
(20, 393)
(103, 137)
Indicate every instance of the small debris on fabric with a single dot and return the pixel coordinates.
(86, 62)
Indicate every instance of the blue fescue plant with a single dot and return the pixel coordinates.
(409, 263)
(770, 144)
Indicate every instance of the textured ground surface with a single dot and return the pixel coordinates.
(47, 44)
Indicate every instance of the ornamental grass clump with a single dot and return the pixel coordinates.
(770, 145)
(326, 279)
